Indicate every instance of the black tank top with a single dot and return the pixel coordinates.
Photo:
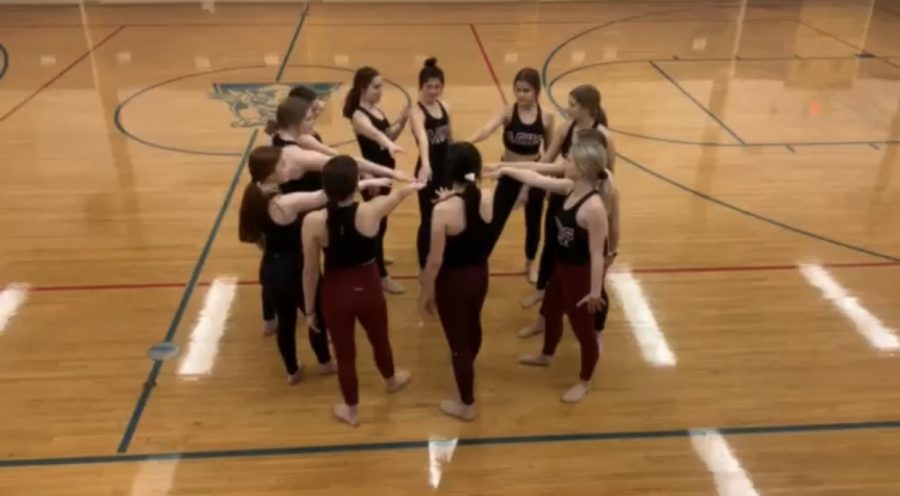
(309, 181)
(468, 248)
(521, 138)
(567, 142)
(438, 131)
(282, 239)
(347, 247)
(369, 148)
(572, 242)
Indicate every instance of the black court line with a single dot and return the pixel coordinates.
(150, 383)
(423, 444)
(702, 107)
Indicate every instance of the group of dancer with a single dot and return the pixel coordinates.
(301, 206)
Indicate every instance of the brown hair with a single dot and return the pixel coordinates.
(588, 96)
(362, 78)
(529, 76)
(340, 179)
(290, 112)
(255, 202)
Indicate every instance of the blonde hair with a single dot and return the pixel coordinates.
(589, 155)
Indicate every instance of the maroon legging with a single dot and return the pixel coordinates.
(568, 285)
(459, 294)
(348, 294)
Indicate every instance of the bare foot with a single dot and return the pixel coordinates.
(399, 381)
(328, 368)
(577, 392)
(346, 414)
(536, 360)
(459, 410)
(533, 299)
(532, 329)
(391, 286)
(296, 376)
(270, 326)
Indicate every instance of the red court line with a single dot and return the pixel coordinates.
(60, 74)
(487, 62)
(649, 270)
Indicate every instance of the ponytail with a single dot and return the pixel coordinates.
(601, 116)
(361, 80)
(271, 127)
(253, 214)
(471, 197)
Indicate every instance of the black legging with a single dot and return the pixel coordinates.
(426, 207)
(282, 276)
(534, 207)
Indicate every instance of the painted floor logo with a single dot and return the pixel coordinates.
(253, 104)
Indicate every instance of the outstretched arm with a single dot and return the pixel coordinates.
(309, 142)
(531, 178)
(496, 121)
(285, 208)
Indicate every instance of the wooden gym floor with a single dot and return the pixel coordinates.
(752, 344)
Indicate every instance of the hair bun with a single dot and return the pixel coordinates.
(431, 62)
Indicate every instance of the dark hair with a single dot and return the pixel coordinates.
(304, 93)
(340, 178)
(529, 76)
(290, 112)
(588, 96)
(361, 80)
(255, 202)
(462, 159)
(430, 70)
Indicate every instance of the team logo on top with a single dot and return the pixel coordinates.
(564, 235)
(253, 104)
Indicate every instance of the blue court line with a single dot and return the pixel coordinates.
(150, 383)
(697, 103)
(5, 60)
(414, 445)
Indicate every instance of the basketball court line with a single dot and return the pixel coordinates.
(423, 445)
(702, 107)
(5, 65)
(512, 274)
(60, 73)
(150, 384)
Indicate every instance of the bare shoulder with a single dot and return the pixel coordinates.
(593, 208)
(315, 219)
(445, 105)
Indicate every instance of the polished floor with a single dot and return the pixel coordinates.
(754, 338)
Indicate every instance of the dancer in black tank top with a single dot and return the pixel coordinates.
(293, 119)
(575, 287)
(351, 290)
(432, 131)
(312, 140)
(585, 113)
(522, 141)
(270, 219)
(455, 278)
(375, 135)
